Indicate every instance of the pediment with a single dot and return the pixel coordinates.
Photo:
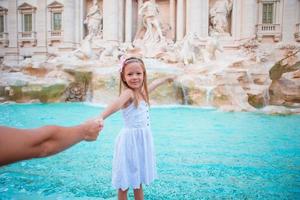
(55, 4)
(26, 6)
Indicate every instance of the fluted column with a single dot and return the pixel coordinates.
(110, 20)
(12, 23)
(197, 20)
(69, 21)
(172, 7)
(79, 26)
(128, 21)
(41, 23)
(180, 20)
(121, 28)
(12, 52)
(204, 26)
(236, 18)
(260, 11)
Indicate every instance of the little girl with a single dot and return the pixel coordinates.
(134, 159)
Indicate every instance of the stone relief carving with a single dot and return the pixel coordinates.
(219, 17)
(93, 21)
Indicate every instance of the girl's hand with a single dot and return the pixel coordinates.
(92, 128)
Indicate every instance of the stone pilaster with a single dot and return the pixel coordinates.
(121, 28)
(197, 19)
(110, 20)
(128, 21)
(249, 19)
(12, 52)
(12, 23)
(180, 25)
(41, 29)
(79, 26)
(236, 19)
(68, 25)
(289, 20)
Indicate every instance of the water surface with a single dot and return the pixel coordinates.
(201, 154)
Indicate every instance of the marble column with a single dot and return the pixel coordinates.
(236, 19)
(68, 25)
(110, 20)
(12, 23)
(41, 26)
(278, 11)
(180, 25)
(204, 18)
(172, 7)
(12, 52)
(79, 26)
(121, 28)
(260, 11)
(289, 20)
(128, 21)
(249, 19)
(197, 20)
(187, 16)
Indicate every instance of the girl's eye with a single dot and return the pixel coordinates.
(139, 73)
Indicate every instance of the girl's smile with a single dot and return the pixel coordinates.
(134, 75)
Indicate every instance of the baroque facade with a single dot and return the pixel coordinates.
(38, 28)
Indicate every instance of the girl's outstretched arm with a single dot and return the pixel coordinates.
(125, 96)
(159, 82)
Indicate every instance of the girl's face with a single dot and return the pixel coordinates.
(134, 75)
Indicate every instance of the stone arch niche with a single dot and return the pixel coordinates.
(167, 17)
(220, 17)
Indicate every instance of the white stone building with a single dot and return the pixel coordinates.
(37, 28)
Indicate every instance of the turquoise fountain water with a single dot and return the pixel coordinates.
(201, 154)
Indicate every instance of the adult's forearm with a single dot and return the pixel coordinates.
(59, 138)
(22, 144)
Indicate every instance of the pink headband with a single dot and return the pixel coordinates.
(123, 62)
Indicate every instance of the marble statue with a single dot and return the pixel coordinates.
(149, 38)
(219, 16)
(187, 52)
(85, 51)
(211, 47)
(152, 30)
(94, 20)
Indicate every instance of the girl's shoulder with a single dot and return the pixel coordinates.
(130, 95)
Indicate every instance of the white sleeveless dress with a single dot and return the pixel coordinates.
(134, 158)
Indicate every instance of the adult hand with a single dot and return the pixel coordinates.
(92, 129)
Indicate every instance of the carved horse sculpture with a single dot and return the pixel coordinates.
(187, 52)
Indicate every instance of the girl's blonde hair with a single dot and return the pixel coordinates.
(123, 83)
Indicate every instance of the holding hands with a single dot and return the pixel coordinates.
(92, 128)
